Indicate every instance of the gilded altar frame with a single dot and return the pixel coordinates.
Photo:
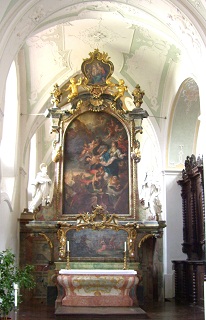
(94, 109)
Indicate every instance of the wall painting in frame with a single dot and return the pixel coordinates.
(97, 245)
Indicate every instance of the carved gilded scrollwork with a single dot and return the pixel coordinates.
(96, 91)
(61, 234)
(103, 92)
(48, 240)
(98, 219)
(151, 234)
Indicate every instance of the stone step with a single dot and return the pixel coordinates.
(96, 313)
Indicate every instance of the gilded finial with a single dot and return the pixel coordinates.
(56, 95)
(138, 95)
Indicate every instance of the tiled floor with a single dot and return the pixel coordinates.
(167, 311)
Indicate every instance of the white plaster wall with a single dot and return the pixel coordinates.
(8, 226)
(173, 233)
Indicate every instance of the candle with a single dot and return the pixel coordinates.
(15, 294)
(16, 286)
(125, 246)
(67, 245)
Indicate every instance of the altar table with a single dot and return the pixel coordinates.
(97, 287)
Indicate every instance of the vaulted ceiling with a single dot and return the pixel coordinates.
(158, 44)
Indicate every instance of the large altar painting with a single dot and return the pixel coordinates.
(95, 164)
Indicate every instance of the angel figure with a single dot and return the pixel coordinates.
(73, 88)
(121, 89)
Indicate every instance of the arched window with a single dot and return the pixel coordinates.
(9, 134)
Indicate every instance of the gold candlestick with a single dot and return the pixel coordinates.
(125, 260)
(68, 260)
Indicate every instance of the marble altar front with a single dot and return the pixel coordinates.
(97, 287)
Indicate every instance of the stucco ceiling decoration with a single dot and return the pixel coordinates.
(56, 50)
(134, 33)
(31, 17)
(147, 44)
(185, 29)
(58, 46)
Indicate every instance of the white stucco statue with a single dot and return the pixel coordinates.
(41, 190)
(150, 205)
